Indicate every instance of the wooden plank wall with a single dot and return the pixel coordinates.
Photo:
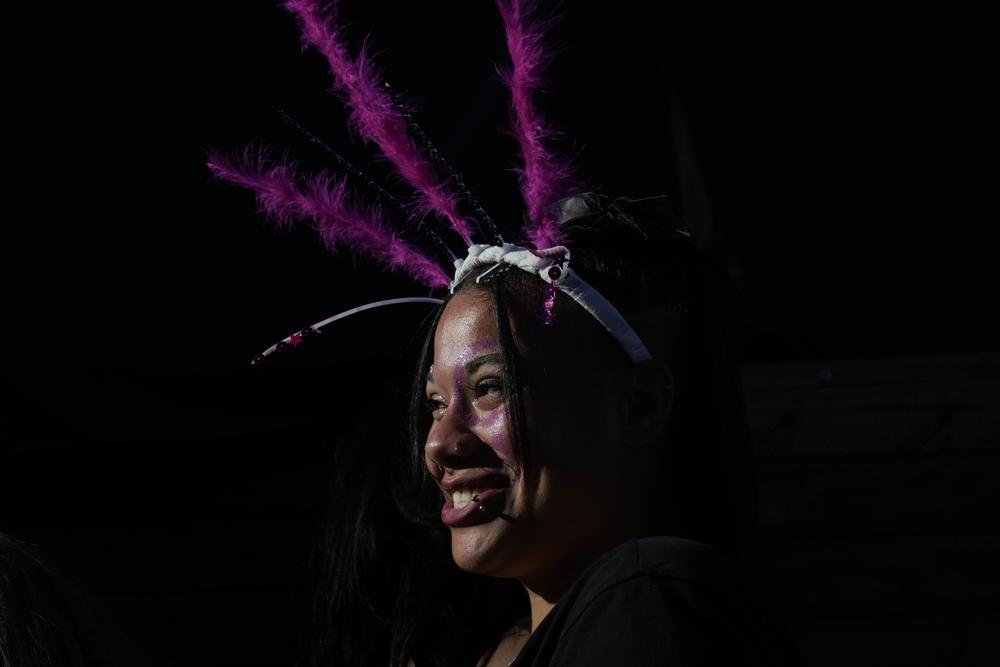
(878, 541)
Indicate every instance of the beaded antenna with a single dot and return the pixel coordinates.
(378, 116)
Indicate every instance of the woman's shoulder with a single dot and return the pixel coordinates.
(662, 555)
(654, 600)
(666, 561)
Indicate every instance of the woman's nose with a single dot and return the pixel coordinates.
(450, 442)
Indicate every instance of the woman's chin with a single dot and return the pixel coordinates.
(480, 550)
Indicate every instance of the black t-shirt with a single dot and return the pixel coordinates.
(663, 601)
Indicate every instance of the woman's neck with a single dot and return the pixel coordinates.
(545, 590)
(540, 608)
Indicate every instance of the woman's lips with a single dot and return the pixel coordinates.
(488, 506)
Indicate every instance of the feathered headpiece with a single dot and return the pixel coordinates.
(378, 116)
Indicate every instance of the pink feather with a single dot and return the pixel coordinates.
(324, 199)
(545, 176)
(373, 114)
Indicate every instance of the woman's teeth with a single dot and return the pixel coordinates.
(463, 497)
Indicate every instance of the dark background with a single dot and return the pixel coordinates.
(840, 160)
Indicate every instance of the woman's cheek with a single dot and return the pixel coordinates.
(495, 424)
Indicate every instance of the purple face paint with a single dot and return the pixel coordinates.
(475, 349)
(461, 406)
(491, 422)
(495, 423)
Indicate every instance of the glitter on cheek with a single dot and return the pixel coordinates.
(473, 350)
(495, 424)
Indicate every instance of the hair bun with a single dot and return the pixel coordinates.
(652, 218)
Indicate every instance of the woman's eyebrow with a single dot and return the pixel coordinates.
(473, 365)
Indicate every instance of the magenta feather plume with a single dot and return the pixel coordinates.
(545, 177)
(325, 200)
(373, 114)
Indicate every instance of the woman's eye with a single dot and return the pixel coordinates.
(435, 406)
(489, 387)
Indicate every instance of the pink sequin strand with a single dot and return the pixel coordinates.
(550, 303)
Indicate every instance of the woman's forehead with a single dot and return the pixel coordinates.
(466, 330)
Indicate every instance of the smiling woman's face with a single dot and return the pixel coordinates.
(506, 519)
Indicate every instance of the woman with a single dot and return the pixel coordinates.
(561, 503)
(559, 458)
(578, 450)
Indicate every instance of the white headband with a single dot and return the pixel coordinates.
(552, 266)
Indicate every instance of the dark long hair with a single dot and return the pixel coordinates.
(389, 590)
(49, 619)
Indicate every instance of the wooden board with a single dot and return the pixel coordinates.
(873, 495)
(875, 407)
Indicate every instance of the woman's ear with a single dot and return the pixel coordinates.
(649, 396)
